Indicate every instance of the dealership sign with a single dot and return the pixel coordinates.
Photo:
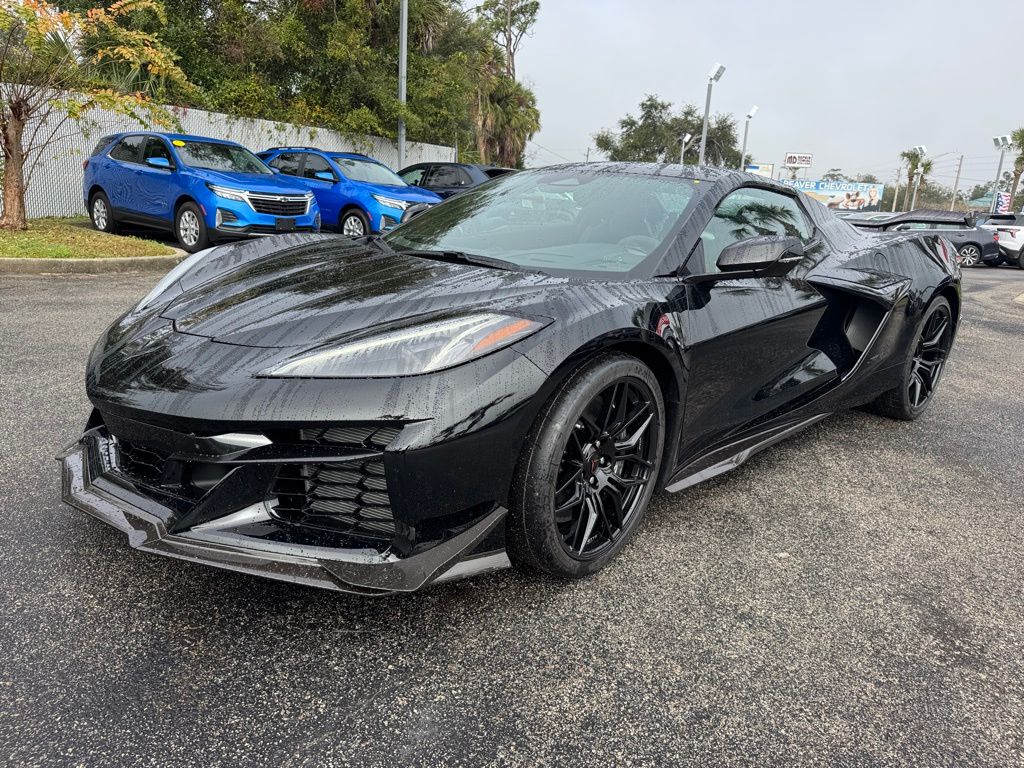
(798, 160)
(841, 195)
(760, 169)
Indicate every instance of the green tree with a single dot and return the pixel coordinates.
(1017, 142)
(655, 135)
(57, 65)
(834, 174)
(912, 158)
(509, 21)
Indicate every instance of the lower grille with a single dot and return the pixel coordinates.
(142, 464)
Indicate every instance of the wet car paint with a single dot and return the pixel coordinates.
(742, 359)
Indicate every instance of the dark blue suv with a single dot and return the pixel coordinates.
(357, 194)
(201, 189)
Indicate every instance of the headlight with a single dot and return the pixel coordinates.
(415, 349)
(391, 202)
(228, 193)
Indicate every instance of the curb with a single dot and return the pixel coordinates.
(1020, 299)
(9, 266)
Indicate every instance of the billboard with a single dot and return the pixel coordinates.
(841, 195)
(798, 160)
(760, 169)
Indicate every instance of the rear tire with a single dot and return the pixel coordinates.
(101, 214)
(190, 229)
(594, 453)
(970, 255)
(923, 369)
(1020, 258)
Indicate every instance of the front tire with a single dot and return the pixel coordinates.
(588, 470)
(101, 214)
(1020, 258)
(923, 370)
(353, 223)
(190, 228)
(970, 255)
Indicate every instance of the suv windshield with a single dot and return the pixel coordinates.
(364, 170)
(555, 220)
(219, 157)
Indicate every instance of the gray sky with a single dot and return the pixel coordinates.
(853, 83)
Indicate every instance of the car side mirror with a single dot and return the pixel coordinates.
(760, 254)
(325, 176)
(159, 162)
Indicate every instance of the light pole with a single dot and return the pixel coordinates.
(684, 142)
(403, 53)
(921, 150)
(746, 131)
(713, 76)
(1002, 143)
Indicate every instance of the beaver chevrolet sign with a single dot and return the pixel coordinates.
(841, 195)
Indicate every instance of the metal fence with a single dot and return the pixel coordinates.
(55, 185)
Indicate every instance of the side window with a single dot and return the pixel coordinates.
(448, 176)
(414, 176)
(287, 163)
(314, 165)
(127, 149)
(100, 145)
(157, 148)
(744, 214)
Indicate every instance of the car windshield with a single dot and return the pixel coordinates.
(555, 220)
(364, 170)
(219, 157)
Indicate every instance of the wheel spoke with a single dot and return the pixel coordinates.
(589, 508)
(630, 442)
(575, 477)
(936, 335)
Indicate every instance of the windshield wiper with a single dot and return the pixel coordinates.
(379, 242)
(460, 257)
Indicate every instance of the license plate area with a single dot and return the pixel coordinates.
(284, 225)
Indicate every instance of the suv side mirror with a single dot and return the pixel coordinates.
(325, 176)
(159, 162)
(758, 254)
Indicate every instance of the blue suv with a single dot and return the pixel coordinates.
(201, 189)
(357, 194)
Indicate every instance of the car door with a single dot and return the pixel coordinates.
(327, 196)
(413, 175)
(157, 186)
(747, 336)
(120, 178)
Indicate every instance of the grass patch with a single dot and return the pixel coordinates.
(73, 238)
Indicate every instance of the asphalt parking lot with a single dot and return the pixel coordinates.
(853, 597)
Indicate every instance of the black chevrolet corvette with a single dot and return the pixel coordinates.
(508, 377)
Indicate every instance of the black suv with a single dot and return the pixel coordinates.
(447, 179)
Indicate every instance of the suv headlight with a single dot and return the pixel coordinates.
(228, 193)
(391, 202)
(422, 348)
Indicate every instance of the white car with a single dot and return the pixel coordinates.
(1010, 230)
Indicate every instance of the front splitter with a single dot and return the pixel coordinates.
(357, 571)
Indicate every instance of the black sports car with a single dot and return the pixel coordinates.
(508, 377)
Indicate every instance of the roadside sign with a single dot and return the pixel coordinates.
(798, 160)
(760, 169)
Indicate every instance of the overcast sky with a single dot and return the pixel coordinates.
(854, 83)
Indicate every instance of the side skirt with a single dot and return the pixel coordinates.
(732, 455)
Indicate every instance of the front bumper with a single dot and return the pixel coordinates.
(232, 218)
(91, 483)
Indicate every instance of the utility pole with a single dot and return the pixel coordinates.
(922, 152)
(715, 75)
(956, 182)
(588, 155)
(899, 174)
(403, 54)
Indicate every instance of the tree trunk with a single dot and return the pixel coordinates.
(1017, 172)
(12, 140)
(910, 188)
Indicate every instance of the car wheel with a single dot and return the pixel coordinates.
(970, 255)
(588, 469)
(923, 369)
(353, 223)
(1020, 258)
(102, 214)
(190, 228)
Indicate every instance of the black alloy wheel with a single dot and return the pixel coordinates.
(924, 367)
(604, 468)
(588, 470)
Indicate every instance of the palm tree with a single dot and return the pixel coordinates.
(924, 168)
(1017, 142)
(912, 158)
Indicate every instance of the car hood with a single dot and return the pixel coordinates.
(253, 182)
(322, 288)
(406, 192)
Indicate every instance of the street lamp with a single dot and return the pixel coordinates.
(713, 76)
(1002, 143)
(403, 55)
(921, 151)
(746, 130)
(684, 142)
